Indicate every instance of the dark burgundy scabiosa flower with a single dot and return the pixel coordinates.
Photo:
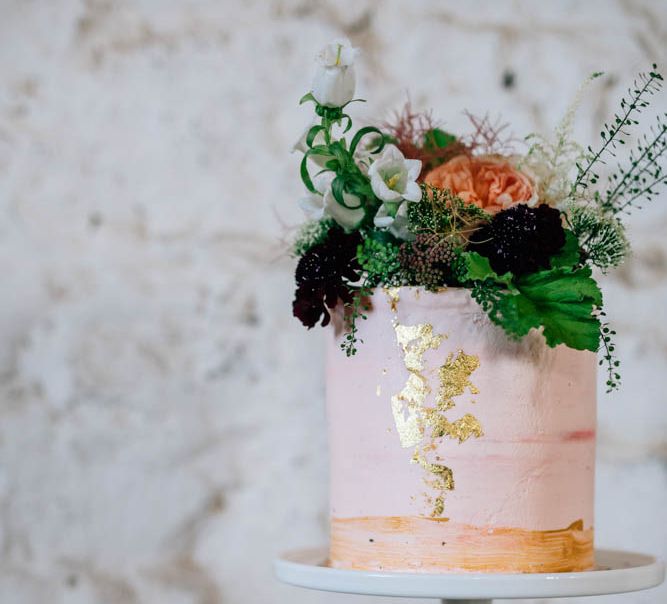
(521, 239)
(323, 275)
(427, 260)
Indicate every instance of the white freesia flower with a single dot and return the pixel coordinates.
(334, 81)
(323, 204)
(394, 178)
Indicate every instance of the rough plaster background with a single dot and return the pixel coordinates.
(161, 419)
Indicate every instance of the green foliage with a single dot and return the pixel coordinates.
(378, 257)
(569, 255)
(601, 236)
(615, 132)
(608, 348)
(435, 138)
(311, 233)
(443, 213)
(561, 300)
(638, 181)
(349, 179)
(355, 311)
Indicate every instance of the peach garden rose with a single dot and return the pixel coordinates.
(489, 182)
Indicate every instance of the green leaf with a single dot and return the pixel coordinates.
(569, 253)
(312, 133)
(438, 139)
(305, 176)
(561, 301)
(356, 139)
(319, 150)
(561, 284)
(516, 315)
(306, 98)
(339, 151)
(383, 236)
(337, 189)
(339, 186)
(479, 269)
(564, 301)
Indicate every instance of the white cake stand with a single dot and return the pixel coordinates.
(616, 572)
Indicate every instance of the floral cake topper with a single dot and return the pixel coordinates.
(407, 203)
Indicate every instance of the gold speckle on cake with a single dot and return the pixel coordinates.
(438, 506)
(393, 298)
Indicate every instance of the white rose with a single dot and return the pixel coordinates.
(334, 81)
(394, 178)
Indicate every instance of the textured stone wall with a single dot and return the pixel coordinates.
(161, 415)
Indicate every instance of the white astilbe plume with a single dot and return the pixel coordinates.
(553, 160)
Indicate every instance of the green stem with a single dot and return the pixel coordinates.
(655, 183)
(609, 139)
(618, 189)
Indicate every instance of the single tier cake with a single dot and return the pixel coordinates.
(455, 449)
(457, 270)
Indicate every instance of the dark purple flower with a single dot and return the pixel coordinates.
(521, 239)
(323, 277)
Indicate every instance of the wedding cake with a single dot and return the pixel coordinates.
(455, 275)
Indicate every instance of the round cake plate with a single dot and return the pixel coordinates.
(616, 572)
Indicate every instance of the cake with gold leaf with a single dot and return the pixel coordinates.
(456, 449)
(455, 273)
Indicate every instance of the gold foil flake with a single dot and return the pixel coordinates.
(442, 477)
(410, 429)
(392, 297)
(413, 417)
(415, 340)
(461, 429)
(455, 376)
(406, 406)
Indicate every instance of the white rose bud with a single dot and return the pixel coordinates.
(334, 81)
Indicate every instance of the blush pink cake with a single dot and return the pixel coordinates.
(456, 449)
